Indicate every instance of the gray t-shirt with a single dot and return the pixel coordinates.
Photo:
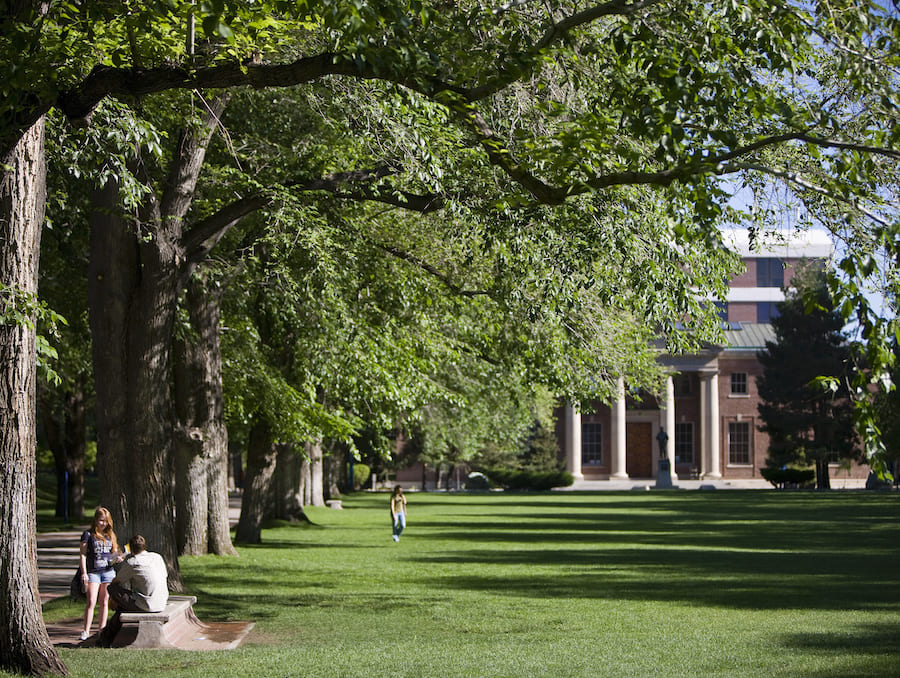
(146, 573)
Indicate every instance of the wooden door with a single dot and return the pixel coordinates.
(639, 449)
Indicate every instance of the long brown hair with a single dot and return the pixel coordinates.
(108, 532)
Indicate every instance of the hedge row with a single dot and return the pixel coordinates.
(530, 480)
(788, 477)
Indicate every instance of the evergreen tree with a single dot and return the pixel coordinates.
(806, 408)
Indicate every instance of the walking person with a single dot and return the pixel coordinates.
(99, 550)
(398, 512)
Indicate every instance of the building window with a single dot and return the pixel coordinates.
(739, 383)
(684, 442)
(682, 384)
(739, 443)
(766, 311)
(722, 310)
(769, 273)
(591, 444)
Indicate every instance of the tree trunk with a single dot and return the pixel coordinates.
(823, 479)
(64, 428)
(132, 294)
(316, 474)
(201, 438)
(306, 482)
(332, 474)
(261, 460)
(75, 430)
(289, 499)
(24, 644)
(138, 266)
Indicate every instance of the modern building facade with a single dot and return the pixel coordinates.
(706, 423)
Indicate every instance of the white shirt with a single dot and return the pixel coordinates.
(146, 573)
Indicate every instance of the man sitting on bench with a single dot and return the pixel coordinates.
(139, 586)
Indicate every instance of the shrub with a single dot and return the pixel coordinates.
(361, 474)
(511, 479)
(788, 477)
(477, 481)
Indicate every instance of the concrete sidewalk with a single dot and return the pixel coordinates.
(58, 552)
(650, 484)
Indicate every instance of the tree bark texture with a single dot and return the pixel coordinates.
(314, 461)
(823, 478)
(288, 485)
(201, 438)
(132, 294)
(261, 462)
(138, 267)
(24, 644)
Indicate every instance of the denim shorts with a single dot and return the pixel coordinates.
(102, 577)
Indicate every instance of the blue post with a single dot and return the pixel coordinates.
(65, 497)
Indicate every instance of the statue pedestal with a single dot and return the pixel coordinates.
(664, 475)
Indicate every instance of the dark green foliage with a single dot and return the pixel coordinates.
(806, 408)
(788, 477)
(542, 450)
(516, 479)
(361, 473)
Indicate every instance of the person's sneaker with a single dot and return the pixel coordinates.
(396, 537)
(85, 635)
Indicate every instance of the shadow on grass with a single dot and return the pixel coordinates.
(745, 550)
(866, 650)
(755, 551)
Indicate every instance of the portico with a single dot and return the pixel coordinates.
(630, 448)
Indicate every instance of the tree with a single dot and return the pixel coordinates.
(807, 410)
(541, 104)
(201, 440)
(24, 642)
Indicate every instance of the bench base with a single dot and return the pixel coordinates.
(177, 628)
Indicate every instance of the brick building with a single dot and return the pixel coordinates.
(708, 412)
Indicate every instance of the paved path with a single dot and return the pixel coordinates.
(650, 484)
(57, 555)
(57, 558)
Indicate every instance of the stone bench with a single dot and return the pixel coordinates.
(333, 503)
(176, 627)
(157, 629)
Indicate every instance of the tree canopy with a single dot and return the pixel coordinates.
(572, 159)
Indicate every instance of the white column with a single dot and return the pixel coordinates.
(670, 425)
(618, 437)
(704, 426)
(573, 442)
(713, 417)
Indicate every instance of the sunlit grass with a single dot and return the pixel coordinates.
(558, 584)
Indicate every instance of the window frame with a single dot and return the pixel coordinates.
(680, 442)
(740, 446)
(592, 444)
(739, 380)
(769, 272)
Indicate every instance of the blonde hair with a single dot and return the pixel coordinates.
(107, 532)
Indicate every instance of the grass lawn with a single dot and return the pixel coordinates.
(724, 583)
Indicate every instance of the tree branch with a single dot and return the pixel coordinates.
(431, 270)
(202, 238)
(555, 33)
(186, 166)
(799, 180)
